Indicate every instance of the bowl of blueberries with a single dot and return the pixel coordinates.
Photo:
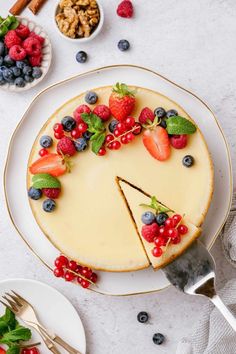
(25, 54)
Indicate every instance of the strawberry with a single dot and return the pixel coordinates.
(146, 115)
(121, 101)
(52, 193)
(66, 146)
(2, 351)
(53, 164)
(157, 143)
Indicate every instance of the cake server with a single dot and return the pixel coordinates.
(194, 274)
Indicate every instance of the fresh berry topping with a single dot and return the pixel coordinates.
(137, 128)
(81, 144)
(179, 141)
(59, 135)
(161, 218)
(27, 70)
(8, 75)
(146, 116)
(115, 145)
(159, 241)
(149, 232)
(91, 98)
(123, 45)
(3, 351)
(32, 350)
(87, 135)
(157, 252)
(58, 272)
(158, 338)
(82, 127)
(8, 61)
(22, 31)
(148, 218)
(121, 127)
(163, 231)
(125, 9)
(102, 111)
(16, 71)
(65, 146)
(68, 123)
(102, 151)
(16, 52)
(163, 123)
(159, 112)
(34, 193)
(52, 193)
(37, 72)
(58, 128)
(157, 143)
(43, 152)
(51, 163)
(176, 219)
(19, 82)
(112, 125)
(32, 46)
(86, 272)
(38, 37)
(94, 278)
(49, 205)
(130, 122)
(172, 233)
(11, 38)
(188, 161)
(130, 136)
(183, 229)
(75, 134)
(121, 101)
(36, 60)
(176, 240)
(109, 138)
(61, 261)
(83, 108)
(46, 141)
(169, 223)
(81, 57)
(171, 113)
(72, 265)
(124, 139)
(117, 132)
(21, 64)
(85, 284)
(69, 276)
(142, 317)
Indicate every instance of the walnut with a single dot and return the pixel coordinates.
(82, 2)
(70, 13)
(64, 3)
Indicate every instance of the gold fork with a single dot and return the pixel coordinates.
(24, 310)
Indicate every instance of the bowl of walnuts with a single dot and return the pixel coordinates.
(79, 20)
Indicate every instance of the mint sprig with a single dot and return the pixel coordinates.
(9, 23)
(158, 207)
(97, 127)
(178, 125)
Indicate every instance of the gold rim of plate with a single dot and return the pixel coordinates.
(90, 72)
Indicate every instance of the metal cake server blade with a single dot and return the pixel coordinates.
(194, 274)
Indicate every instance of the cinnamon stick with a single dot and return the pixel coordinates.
(18, 7)
(35, 5)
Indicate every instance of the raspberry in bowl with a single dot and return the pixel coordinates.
(25, 54)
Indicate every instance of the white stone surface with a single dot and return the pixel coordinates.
(190, 42)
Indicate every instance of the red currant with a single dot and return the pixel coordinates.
(75, 133)
(176, 219)
(79, 269)
(82, 127)
(94, 278)
(102, 151)
(130, 122)
(61, 261)
(43, 152)
(157, 252)
(176, 240)
(109, 138)
(116, 145)
(162, 231)
(86, 272)
(183, 229)
(159, 241)
(124, 140)
(58, 135)
(121, 127)
(69, 276)
(58, 128)
(33, 350)
(138, 129)
(116, 133)
(72, 265)
(85, 284)
(130, 136)
(172, 233)
(58, 272)
(169, 223)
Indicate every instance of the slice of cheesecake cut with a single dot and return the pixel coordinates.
(134, 197)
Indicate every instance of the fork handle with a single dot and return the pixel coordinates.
(230, 318)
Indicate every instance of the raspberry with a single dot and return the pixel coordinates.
(22, 31)
(52, 192)
(179, 141)
(11, 38)
(125, 9)
(149, 232)
(36, 60)
(32, 46)
(39, 38)
(145, 115)
(83, 108)
(16, 52)
(66, 146)
(102, 111)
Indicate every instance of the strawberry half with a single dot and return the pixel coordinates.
(52, 164)
(157, 143)
(121, 101)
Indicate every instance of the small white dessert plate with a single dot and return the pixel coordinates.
(40, 110)
(47, 56)
(54, 311)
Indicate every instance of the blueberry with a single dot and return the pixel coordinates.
(81, 144)
(142, 317)
(8, 75)
(2, 81)
(34, 193)
(160, 112)
(20, 64)
(161, 218)
(8, 61)
(163, 123)
(68, 123)
(148, 217)
(188, 161)
(16, 71)
(27, 70)
(2, 68)
(28, 78)
(112, 125)
(123, 45)
(87, 135)
(49, 205)
(1, 61)
(81, 57)
(171, 113)
(158, 338)
(91, 97)
(2, 48)
(46, 141)
(19, 82)
(37, 72)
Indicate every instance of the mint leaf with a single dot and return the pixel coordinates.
(19, 334)
(98, 142)
(45, 180)
(7, 321)
(97, 127)
(13, 349)
(158, 207)
(178, 125)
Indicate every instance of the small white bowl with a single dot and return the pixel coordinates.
(47, 57)
(85, 39)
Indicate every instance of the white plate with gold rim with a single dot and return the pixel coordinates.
(17, 201)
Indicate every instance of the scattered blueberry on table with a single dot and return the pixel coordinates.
(81, 57)
(158, 338)
(123, 45)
